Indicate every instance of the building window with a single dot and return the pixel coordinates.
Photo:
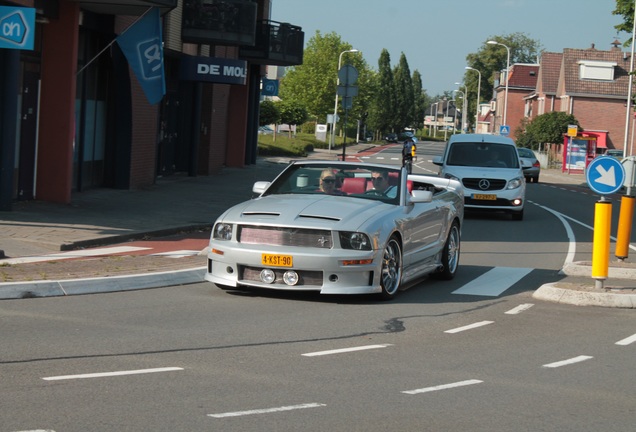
(596, 70)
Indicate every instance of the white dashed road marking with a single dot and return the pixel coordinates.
(627, 341)
(519, 309)
(345, 350)
(267, 411)
(111, 374)
(443, 387)
(469, 327)
(568, 362)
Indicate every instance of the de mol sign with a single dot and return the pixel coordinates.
(213, 69)
(17, 27)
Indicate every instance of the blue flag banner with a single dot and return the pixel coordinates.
(142, 45)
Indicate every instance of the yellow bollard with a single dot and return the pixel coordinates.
(601, 246)
(624, 232)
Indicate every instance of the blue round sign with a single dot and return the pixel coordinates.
(605, 175)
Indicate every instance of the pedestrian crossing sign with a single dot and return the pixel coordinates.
(504, 130)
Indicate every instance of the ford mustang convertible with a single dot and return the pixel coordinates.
(339, 228)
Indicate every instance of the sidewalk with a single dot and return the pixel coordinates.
(104, 217)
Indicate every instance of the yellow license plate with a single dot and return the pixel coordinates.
(276, 260)
(489, 197)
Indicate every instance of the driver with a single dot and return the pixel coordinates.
(380, 179)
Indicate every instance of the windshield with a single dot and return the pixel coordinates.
(525, 153)
(360, 181)
(483, 154)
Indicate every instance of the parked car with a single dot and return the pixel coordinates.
(391, 138)
(489, 169)
(530, 165)
(357, 240)
(405, 135)
(614, 152)
(265, 130)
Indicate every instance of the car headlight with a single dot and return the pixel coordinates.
(515, 183)
(355, 240)
(222, 231)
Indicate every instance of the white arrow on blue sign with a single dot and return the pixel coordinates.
(605, 175)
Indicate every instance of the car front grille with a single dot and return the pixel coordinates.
(484, 184)
(306, 278)
(276, 236)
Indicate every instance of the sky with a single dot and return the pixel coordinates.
(436, 36)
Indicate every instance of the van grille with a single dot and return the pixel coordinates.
(484, 184)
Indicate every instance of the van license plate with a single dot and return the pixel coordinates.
(489, 197)
(276, 260)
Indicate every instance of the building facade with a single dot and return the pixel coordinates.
(74, 116)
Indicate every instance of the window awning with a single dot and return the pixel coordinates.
(601, 138)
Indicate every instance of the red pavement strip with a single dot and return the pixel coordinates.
(177, 246)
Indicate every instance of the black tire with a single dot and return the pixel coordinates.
(391, 273)
(517, 215)
(450, 254)
(535, 179)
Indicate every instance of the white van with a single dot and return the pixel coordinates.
(489, 168)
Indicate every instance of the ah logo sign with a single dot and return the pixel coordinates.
(16, 27)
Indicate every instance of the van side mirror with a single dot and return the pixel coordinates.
(437, 160)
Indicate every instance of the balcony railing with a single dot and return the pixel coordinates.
(277, 44)
(219, 22)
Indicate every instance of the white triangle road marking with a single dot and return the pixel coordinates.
(494, 282)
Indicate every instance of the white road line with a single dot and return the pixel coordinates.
(443, 387)
(267, 411)
(345, 350)
(469, 327)
(73, 254)
(493, 282)
(111, 374)
(627, 341)
(519, 309)
(568, 361)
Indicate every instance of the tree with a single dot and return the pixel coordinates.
(313, 83)
(420, 102)
(625, 8)
(491, 59)
(547, 128)
(404, 99)
(291, 113)
(268, 113)
(383, 105)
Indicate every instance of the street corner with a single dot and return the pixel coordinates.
(616, 269)
(587, 294)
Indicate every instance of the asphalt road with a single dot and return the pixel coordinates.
(442, 356)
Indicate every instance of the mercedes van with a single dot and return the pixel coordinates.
(489, 168)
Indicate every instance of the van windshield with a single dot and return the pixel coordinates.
(483, 154)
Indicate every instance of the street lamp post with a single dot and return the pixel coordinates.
(332, 141)
(478, 95)
(492, 42)
(455, 121)
(464, 105)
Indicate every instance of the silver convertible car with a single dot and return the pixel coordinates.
(339, 228)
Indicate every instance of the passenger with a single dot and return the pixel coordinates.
(328, 183)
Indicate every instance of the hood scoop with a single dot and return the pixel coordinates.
(321, 217)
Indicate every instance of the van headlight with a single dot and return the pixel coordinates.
(515, 183)
(222, 231)
(451, 177)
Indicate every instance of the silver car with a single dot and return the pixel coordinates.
(339, 228)
(530, 164)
